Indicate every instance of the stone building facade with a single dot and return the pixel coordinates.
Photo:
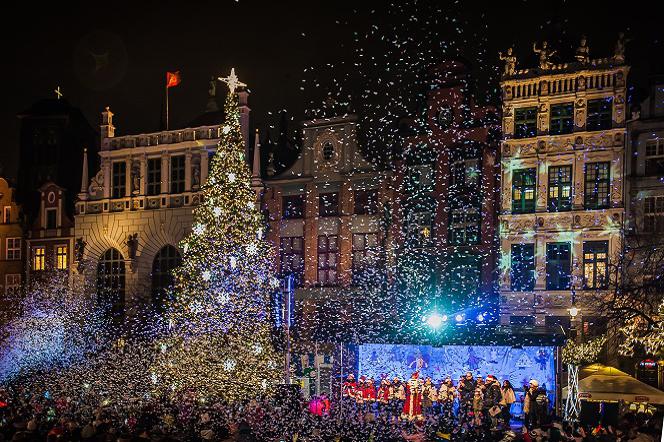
(562, 187)
(645, 165)
(445, 210)
(132, 215)
(12, 248)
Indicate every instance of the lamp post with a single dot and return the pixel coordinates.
(572, 403)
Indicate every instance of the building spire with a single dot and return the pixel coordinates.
(256, 181)
(84, 175)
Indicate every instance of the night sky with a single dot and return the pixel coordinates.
(271, 44)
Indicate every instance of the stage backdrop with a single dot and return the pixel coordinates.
(518, 365)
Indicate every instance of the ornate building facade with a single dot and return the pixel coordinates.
(562, 185)
(132, 215)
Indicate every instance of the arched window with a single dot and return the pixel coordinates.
(167, 259)
(111, 283)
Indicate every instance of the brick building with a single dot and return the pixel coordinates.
(445, 212)
(11, 248)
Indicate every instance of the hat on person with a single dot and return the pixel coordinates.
(534, 383)
(415, 375)
(491, 378)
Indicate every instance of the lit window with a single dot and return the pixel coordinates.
(420, 229)
(595, 264)
(38, 258)
(13, 249)
(560, 188)
(523, 190)
(596, 189)
(61, 257)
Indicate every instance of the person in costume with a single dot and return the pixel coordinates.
(412, 408)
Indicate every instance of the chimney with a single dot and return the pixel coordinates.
(243, 107)
(107, 128)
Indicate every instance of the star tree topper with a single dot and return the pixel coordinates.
(232, 81)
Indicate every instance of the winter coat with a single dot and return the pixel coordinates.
(492, 395)
(507, 396)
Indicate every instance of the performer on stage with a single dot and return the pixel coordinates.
(384, 394)
(412, 408)
(350, 386)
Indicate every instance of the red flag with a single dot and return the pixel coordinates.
(172, 79)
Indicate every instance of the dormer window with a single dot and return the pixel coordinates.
(51, 218)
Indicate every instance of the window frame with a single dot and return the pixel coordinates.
(61, 257)
(555, 278)
(561, 120)
(525, 122)
(653, 214)
(7, 215)
(560, 203)
(38, 258)
(523, 204)
(591, 195)
(287, 209)
(51, 211)
(153, 181)
(467, 222)
(365, 258)
(16, 250)
(651, 159)
(365, 202)
(328, 274)
(287, 251)
(177, 166)
(417, 223)
(593, 263)
(328, 208)
(118, 179)
(599, 117)
(527, 281)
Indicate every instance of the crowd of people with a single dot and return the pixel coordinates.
(473, 400)
(31, 415)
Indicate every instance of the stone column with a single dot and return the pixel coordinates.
(128, 176)
(578, 171)
(542, 187)
(187, 171)
(204, 166)
(540, 263)
(165, 176)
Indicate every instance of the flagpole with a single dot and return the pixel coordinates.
(167, 105)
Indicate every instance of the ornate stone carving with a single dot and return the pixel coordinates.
(582, 53)
(619, 48)
(544, 55)
(543, 118)
(196, 173)
(581, 83)
(96, 188)
(135, 177)
(510, 62)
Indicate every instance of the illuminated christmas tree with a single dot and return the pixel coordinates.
(219, 323)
